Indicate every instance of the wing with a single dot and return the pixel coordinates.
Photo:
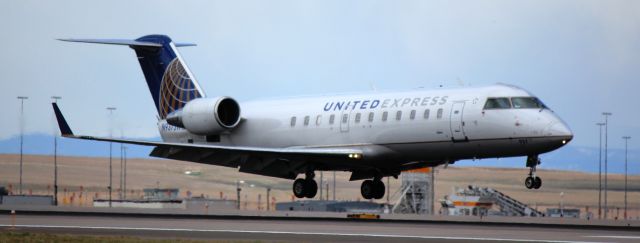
(276, 162)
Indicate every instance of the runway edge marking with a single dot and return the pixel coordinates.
(296, 233)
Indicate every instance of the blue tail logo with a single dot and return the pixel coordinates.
(171, 83)
(176, 88)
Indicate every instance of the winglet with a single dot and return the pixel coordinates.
(65, 130)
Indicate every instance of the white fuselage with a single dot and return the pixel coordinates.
(420, 125)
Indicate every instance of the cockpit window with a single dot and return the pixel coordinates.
(497, 103)
(527, 103)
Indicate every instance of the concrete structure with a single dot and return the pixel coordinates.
(563, 212)
(3, 192)
(206, 203)
(155, 204)
(416, 192)
(161, 193)
(35, 200)
(331, 206)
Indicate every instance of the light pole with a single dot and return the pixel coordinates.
(110, 109)
(334, 186)
(321, 184)
(600, 124)
(55, 159)
(626, 140)
(21, 98)
(124, 188)
(561, 204)
(268, 199)
(606, 143)
(238, 189)
(121, 176)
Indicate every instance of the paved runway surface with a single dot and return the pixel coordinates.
(307, 231)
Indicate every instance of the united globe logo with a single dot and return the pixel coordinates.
(176, 89)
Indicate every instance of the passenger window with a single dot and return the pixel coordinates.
(412, 115)
(426, 114)
(345, 118)
(293, 121)
(318, 120)
(357, 117)
(332, 118)
(398, 115)
(370, 116)
(439, 116)
(306, 121)
(384, 116)
(497, 103)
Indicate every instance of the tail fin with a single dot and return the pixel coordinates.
(170, 81)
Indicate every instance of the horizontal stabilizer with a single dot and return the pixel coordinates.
(185, 44)
(115, 42)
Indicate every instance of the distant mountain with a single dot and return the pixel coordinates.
(575, 158)
(43, 144)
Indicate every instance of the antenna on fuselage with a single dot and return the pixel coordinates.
(372, 84)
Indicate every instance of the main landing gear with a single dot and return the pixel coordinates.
(533, 181)
(306, 187)
(372, 189)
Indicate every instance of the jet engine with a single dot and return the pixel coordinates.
(207, 116)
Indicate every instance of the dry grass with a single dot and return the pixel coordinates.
(580, 189)
(14, 236)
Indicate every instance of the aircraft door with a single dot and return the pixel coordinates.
(345, 118)
(457, 122)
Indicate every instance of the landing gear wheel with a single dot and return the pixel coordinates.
(310, 188)
(299, 188)
(379, 189)
(367, 189)
(537, 183)
(533, 181)
(529, 182)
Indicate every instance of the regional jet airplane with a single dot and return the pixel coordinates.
(372, 135)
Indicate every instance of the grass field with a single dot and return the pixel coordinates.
(26, 237)
(580, 189)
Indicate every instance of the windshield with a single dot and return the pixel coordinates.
(527, 102)
(497, 103)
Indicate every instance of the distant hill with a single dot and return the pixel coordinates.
(575, 158)
(43, 144)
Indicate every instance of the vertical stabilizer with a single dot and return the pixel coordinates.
(170, 81)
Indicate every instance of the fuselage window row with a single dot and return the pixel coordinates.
(358, 117)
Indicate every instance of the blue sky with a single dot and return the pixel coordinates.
(580, 57)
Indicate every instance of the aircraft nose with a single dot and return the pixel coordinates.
(561, 130)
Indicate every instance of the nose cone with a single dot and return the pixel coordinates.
(560, 130)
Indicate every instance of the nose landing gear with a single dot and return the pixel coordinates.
(533, 181)
(372, 189)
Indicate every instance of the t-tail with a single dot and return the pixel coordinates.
(170, 81)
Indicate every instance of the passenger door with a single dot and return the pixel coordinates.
(457, 122)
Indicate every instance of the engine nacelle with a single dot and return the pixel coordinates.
(207, 116)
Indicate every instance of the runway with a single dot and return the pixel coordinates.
(306, 231)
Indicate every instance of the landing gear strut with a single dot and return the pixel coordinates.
(306, 187)
(533, 181)
(372, 189)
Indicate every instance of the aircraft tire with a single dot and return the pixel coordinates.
(310, 188)
(367, 189)
(379, 189)
(299, 188)
(529, 182)
(537, 183)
